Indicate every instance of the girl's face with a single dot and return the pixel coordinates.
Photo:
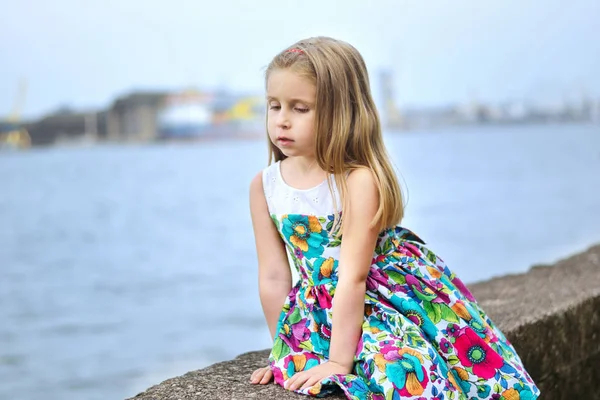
(291, 113)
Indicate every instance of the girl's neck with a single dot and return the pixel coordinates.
(304, 165)
(302, 172)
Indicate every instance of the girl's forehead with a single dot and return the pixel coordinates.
(289, 84)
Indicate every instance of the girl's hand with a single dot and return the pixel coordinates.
(261, 376)
(306, 379)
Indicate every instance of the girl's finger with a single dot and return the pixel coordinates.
(295, 377)
(299, 381)
(267, 377)
(257, 375)
(310, 382)
(253, 377)
(290, 382)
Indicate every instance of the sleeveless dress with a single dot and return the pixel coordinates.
(423, 334)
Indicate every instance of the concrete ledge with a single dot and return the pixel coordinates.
(550, 314)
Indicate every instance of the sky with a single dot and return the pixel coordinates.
(83, 54)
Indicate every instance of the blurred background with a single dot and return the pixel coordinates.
(130, 130)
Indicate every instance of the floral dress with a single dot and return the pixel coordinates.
(423, 334)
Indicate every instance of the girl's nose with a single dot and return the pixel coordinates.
(283, 120)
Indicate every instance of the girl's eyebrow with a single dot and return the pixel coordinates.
(292, 100)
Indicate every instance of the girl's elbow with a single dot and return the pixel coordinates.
(354, 279)
(274, 272)
(274, 281)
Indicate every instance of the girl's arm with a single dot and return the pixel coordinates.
(274, 275)
(356, 254)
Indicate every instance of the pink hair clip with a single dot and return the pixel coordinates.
(295, 50)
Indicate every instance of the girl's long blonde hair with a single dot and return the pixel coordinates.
(347, 126)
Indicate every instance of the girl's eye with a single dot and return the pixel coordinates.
(274, 107)
(302, 110)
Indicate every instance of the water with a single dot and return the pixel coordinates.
(123, 266)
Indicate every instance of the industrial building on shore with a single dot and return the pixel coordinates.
(149, 116)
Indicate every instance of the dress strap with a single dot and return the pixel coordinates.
(269, 180)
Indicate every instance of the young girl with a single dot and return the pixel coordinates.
(374, 313)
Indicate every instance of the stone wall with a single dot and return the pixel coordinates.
(551, 314)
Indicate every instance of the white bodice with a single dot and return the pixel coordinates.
(284, 199)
